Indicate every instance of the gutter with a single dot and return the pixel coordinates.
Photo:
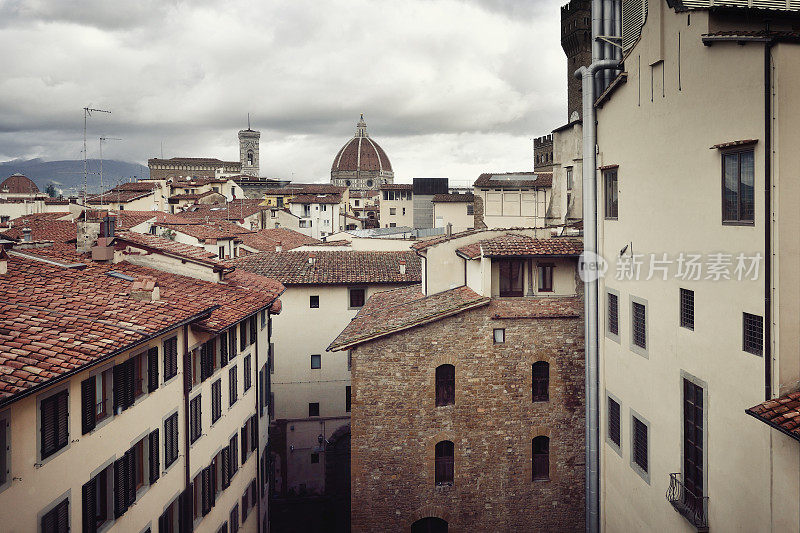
(768, 219)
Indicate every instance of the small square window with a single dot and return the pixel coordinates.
(313, 302)
(313, 409)
(613, 422)
(314, 458)
(753, 334)
(499, 336)
(316, 361)
(640, 455)
(357, 297)
(687, 309)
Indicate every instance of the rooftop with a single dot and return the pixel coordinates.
(515, 245)
(514, 180)
(235, 210)
(18, 184)
(267, 239)
(454, 198)
(171, 248)
(781, 413)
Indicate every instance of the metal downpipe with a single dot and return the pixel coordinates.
(587, 75)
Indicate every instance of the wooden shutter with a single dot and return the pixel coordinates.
(234, 456)
(223, 349)
(232, 343)
(204, 366)
(226, 461)
(253, 433)
(186, 510)
(213, 473)
(163, 522)
(244, 444)
(130, 476)
(54, 423)
(155, 463)
(127, 384)
(170, 357)
(57, 519)
(89, 501)
(88, 413)
(253, 329)
(120, 488)
(253, 492)
(152, 369)
(206, 492)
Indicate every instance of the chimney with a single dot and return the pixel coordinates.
(145, 289)
(279, 246)
(3, 261)
(26, 235)
(312, 258)
(402, 266)
(449, 230)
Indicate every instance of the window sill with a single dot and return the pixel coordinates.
(738, 223)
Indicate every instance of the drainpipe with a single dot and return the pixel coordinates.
(587, 75)
(257, 429)
(187, 387)
(768, 219)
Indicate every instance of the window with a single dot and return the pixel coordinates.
(313, 302)
(613, 422)
(124, 482)
(470, 209)
(316, 361)
(687, 309)
(253, 329)
(233, 392)
(221, 253)
(54, 430)
(223, 349)
(56, 520)
(541, 458)
(753, 334)
(445, 385)
(195, 419)
(271, 358)
(124, 375)
(245, 504)
(499, 336)
(357, 297)
(95, 501)
(349, 360)
(640, 455)
(170, 358)
(247, 376)
(444, 463)
(138, 374)
(540, 381)
(392, 210)
(404, 212)
(170, 440)
(264, 318)
(95, 396)
(738, 175)
(313, 409)
(233, 453)
(208, 360)
(347, 400)
(611, 194)
(545, 278)
(314, 458)
(216, 400)
(392, 224)
(243, 335)
(639, 324)
(234, 519)
(693, 443)
(232, 343)
(613, 313)
(511, 278)
(569, 179)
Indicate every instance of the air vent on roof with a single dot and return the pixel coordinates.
(120, 275)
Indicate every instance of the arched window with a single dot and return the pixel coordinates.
(250, 157)
(541, 458)
(369, 183)
(444, 462)
(445, 385)
(429, 525)
(540, 384)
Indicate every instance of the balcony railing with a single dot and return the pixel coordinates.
(692, 508)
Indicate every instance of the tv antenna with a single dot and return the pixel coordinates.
(101, 163)
(87, 112)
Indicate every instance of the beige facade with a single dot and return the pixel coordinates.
(514, 206)
(566, 201)
(396, 207)
(458, 214)
(665, 133)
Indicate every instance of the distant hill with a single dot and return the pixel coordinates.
(68, 175)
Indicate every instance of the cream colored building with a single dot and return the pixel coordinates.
(566, 200)
(325, 290)
(697, 150)
(512, 200)
(457, 210)
(130, 422)
(396, 206)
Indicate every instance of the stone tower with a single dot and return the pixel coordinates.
(248, 150)
(576, 40)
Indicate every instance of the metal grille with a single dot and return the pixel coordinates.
(639, 325)
(640, 443)
(634, 15)
(692, 439)
(753, 334)
(687, 308)
(613, 421)
(613, 314)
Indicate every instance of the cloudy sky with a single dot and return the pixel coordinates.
(448, 88)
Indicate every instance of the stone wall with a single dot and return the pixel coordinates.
(395, 426)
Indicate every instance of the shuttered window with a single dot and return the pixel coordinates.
(226, 467)
(223, 349)
(195, 419)
(232, 342)
(245, 503)
(540, 382)
(613, 421)
(155, 463)
(170, 358)
(253, 328)
(347, 398)
(170, 440)
(247, 378)
(639, 313)
(124, 385)
(233, 386)
(243, 335)
(88, 404)
(444, 463)
(245, 441)
(54, 423)
(233, 446)
(216, 400)
(152, 369)
(640, 444)
(57, 519)
(253, 493)
(613, 314)
(124, 482)
(253, 433)
(207, 491)
(541, 458)
(95, 502)
(207, 357)
(234, 520)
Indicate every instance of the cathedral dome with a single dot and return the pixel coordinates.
(361, 163)
(18, 184)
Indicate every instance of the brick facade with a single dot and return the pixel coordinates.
(395, 426)
(576, 40)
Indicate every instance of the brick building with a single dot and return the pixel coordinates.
(467, 402)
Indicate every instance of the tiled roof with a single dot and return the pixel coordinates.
(465, 198)
(399, 309)
(364, 194)
(170, 247)
(397, 187)
(192, 196)
(359, 154)
(305, 188)
(515, 245)
(731, 144)
(220, 229)
(781, 413)
(265, 240)
(43, 226)
(117, 196)
(128, 218)
(427, 243)
(316, 199)
(235, 210)
(54, 320)
(336, 267)
(192, 160)
(514, 180)
(18, 184)
(196, 181)
(545, 307)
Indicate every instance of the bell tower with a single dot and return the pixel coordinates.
(248, 150)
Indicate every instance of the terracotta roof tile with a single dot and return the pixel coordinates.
(456, 198)
(235, 210)
(220, 229)
(169, 247)
(18, 184)
(781, 413)
(43, 228)
(391, 311)
(397, 187)
(514, 180)
(515, 245)
(316, 199)
(333, 267)
(267, 239)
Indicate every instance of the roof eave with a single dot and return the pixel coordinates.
(772, 424)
